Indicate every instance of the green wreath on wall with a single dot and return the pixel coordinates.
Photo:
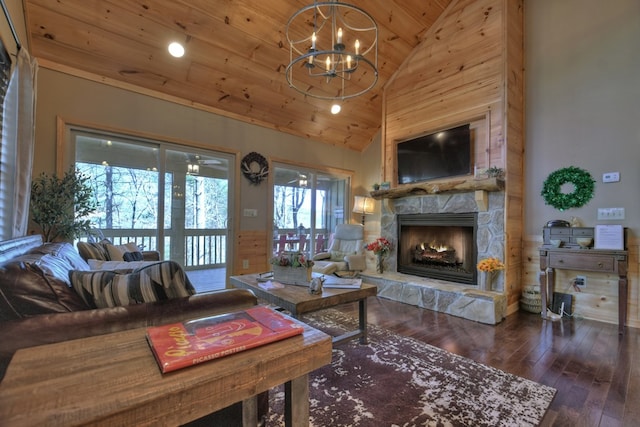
(582, 181)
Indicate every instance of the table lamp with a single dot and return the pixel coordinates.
(363, 205)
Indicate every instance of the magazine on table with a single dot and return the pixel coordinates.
(342, 282)
(183, 344)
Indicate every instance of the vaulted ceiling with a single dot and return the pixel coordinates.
(236, 55)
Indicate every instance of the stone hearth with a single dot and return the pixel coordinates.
(469, 303)
(466, 301)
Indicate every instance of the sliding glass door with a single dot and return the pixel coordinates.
(307, 205)
(198, 208)
(165, 197)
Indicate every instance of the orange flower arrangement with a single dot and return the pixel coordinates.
(490, 264)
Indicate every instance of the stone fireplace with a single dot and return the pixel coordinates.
(458, 293)
(438, 245)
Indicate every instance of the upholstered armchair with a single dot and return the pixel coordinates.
(346, 251)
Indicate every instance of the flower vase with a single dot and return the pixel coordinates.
(380, 264)
(487, 280)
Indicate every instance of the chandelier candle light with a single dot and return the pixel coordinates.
(337, 58)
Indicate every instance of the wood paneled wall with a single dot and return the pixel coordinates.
(251, 245)
(469, 67)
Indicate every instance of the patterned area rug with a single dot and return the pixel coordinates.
(399, 381)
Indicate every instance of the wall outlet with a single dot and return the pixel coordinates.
(580, 281)
(245, 264)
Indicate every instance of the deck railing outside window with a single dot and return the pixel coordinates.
(202, 248)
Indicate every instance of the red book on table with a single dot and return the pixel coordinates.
(183, 344)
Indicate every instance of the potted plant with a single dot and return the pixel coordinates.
(60, 206)
(495, 172)
(292, 268)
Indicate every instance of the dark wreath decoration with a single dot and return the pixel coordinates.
(255, 167)
(582, 181)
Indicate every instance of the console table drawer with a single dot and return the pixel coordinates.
(589, 262)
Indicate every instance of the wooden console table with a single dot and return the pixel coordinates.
(114, 380)
(598, 260)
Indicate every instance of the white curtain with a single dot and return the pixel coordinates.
(19, 135)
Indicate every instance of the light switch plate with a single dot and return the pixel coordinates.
(611, 213)
(250, 212)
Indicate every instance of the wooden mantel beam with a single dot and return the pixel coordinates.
(441, 187)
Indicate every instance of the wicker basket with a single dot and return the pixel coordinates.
(292, 276)
(531, 300)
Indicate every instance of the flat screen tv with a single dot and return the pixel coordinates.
(437, 155)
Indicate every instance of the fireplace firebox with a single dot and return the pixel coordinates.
(438, 245)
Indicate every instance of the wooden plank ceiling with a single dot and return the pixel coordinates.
(236, 56)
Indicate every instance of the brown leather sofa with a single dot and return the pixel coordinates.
(37, 306)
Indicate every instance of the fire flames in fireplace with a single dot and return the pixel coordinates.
(435, 253)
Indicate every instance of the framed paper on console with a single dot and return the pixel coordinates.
(609, 237)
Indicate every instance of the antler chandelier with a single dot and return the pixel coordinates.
(333, 49)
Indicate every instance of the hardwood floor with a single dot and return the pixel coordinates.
(596, 371)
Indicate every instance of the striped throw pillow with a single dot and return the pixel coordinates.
(89, 251)
(157, 282)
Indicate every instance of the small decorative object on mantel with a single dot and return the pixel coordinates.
(495, 172)
(255, 167)
(583, 184)
(385, 185)
(489, 269)
(376, 186)
(380, 248)
(292, 268)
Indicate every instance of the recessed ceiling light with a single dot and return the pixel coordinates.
(335, 108)
(176, 49)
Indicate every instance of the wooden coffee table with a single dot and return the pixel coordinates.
(114, 380)
(297, 300)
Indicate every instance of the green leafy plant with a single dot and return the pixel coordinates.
(495, 172)
(60, 206)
